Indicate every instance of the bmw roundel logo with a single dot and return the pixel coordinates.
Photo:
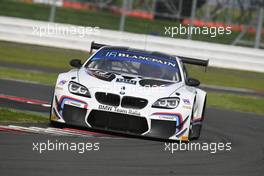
(122, 92)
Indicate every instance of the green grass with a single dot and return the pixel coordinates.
(105, 20)
(14, 116)
(39, 55)
(236, 102)
(228, 77)
(37, 77)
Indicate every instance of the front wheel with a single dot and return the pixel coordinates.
(56, 124)
(195, 132)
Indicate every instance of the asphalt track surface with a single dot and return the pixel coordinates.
(133, 156)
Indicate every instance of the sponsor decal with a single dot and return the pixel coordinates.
(186, 101)
(73, 103)
(127, 81)
(141, 57)
(102, 74)
(119, 110)
(166, 117)
(62, 82)
(105, 107)
(133, 112)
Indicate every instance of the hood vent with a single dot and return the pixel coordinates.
(105, 76)
(153, 82)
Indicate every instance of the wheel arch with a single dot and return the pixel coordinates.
(199, 105)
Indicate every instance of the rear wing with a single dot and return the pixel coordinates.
(96, 46)
(194, 61)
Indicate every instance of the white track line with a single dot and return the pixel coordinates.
(55, 131)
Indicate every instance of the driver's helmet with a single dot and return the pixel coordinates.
(148, 70)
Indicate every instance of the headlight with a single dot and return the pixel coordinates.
(167, 103)
(78, 89)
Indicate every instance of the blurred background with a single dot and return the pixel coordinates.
(151, 16)
(234, 79)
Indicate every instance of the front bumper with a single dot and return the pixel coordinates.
(165, 125)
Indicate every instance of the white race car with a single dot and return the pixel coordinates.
(131, 91)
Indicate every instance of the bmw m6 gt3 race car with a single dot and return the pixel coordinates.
(131, 91)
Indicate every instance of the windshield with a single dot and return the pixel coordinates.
(135, 63)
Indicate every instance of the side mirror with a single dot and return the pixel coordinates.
(76, 63)
(193, 82)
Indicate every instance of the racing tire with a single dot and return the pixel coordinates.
(56, 124)
(195, 132)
